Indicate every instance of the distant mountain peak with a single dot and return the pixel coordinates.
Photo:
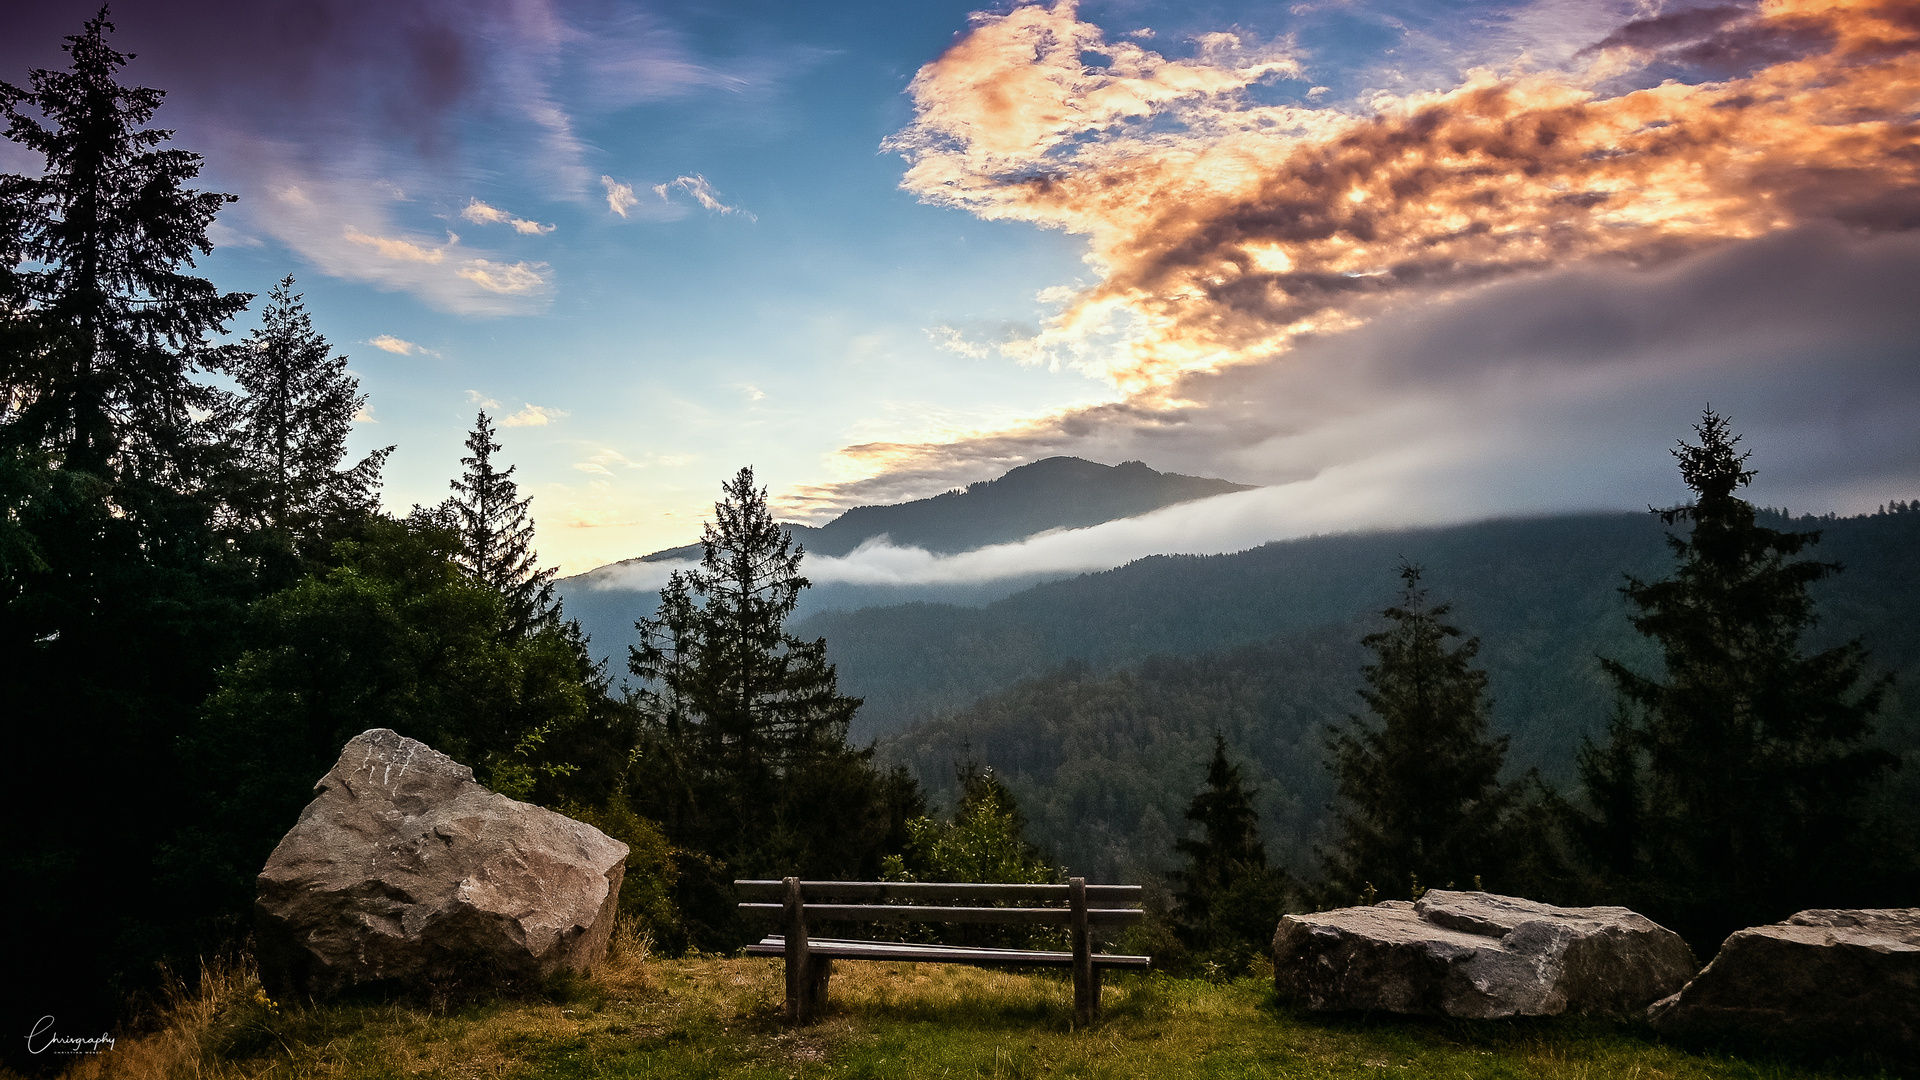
(1052, 493)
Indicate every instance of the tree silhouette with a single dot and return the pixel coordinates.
(290, 427)
(117, 605)
(717, 661)
(105, 230)
(1731, 791)
(1420, 795)
(746, 757)
(496, 533)
(1226, 898)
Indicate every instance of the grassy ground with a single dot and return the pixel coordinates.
(719, 1018)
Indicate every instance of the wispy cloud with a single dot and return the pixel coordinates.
(604, 460)
(532, 416)
(702, 192)
(349, 230)
(620, 197)
(482, 214)
(953, 341)
(365, 100)
(508, 279)
(400, 249)
(399, 346)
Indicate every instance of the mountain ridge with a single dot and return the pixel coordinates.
(1052, 493)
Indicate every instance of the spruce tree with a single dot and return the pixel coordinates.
(105, 230)
(1732, 789)
(717, 661)
(116, 607)
(1226, 898)
(746, 758)
(496, 533)
(290, 426)
(1420, 800)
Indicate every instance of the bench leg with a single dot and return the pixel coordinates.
(1086, 977)
(800, 966)
(819, 970)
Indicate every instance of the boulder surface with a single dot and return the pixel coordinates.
(406, 872)
(1479, 956)
(1833, 980)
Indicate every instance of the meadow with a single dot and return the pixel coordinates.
(712, 1017)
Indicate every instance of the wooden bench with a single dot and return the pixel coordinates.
(794, 903)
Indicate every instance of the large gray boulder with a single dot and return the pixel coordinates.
(403, 871)
(1479, 956)
(1833, 980)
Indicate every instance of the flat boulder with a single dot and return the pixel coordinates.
(1828, 980)
(405, 872)
(1479, 956)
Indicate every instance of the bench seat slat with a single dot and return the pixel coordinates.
(874, 891)
(845, 949)
(918, 913)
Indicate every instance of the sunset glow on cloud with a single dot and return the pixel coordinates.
(1223, 231)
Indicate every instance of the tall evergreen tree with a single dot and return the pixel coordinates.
(496, 533)
(107, 228)
(291, 424)
(1732, 791)
(1226, 898)
(116, 607)
(760, 700)
(748, 760)
(1420, 794)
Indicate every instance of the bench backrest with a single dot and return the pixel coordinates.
(917, 901)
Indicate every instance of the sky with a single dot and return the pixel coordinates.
(1398, 262)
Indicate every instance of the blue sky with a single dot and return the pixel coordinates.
(665, 241)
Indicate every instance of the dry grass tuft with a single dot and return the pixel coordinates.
(188, 1024)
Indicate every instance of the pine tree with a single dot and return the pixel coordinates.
(116, 607)
(106, 228)
(717, 661)
(496, 533)
(746, 758)
(1731, 792)
(1420, 797)
(291, 425)
(1226, 898)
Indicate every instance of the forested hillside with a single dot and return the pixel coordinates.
(1127, 674)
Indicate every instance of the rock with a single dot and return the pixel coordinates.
(1829, 980)
(404, 871)
(1477, 955)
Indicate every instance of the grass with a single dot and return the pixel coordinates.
(715, 1017)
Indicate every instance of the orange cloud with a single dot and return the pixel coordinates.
(1226, 232)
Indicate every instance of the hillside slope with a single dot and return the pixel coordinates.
(1107, 689)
